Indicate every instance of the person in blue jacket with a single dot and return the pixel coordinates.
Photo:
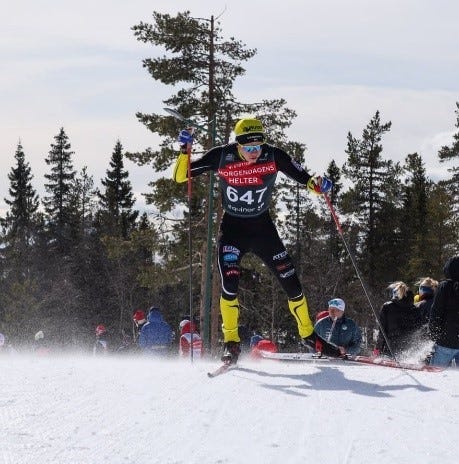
(338, 330)
(156, 335)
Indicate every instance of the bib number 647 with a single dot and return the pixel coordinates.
(249, 197)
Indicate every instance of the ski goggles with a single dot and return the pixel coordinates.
(250, 148)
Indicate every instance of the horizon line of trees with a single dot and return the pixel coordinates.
(88, 257)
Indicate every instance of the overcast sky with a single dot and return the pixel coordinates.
(77, 65)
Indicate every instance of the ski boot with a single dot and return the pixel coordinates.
(231, 352)
(308, 344)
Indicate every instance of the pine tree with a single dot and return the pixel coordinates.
(19, 222)
(59, 203)
(19, 289)
(117, 200)
(449, 153)
(373, 195)
(414, 221)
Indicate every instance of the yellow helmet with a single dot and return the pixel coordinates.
(249, 130)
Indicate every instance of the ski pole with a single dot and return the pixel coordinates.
(340, 232)
(190, 245)
(175, 114)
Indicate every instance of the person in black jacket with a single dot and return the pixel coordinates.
(399, 319)
(427, 288)
(444, 319)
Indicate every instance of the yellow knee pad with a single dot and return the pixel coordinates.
(230, 317)
(300, 312)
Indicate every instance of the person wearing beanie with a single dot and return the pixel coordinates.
(101, 345)
(247, 169)
(400, 321)
(444, 317)
(41, 345)
(337, 330)
(156, 335)
(140, 319)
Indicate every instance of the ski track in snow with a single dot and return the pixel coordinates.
(85, 410)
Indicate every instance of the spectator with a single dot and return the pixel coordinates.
(101, 344)
(3, 345)
(189, 337)
(427, 288)
(444, 319)
(41, 345)
(399, 319)
(5, 348)
(262, 345)
(139, 320)
(337, 330)
(254, 339)
(156, 335)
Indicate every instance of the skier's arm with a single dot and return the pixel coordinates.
(290, 167)
(354, 346)
(209, 162)
(295, 171)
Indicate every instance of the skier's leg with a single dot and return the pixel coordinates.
(299, 309)
(229, 258)
(230, 316)
(272, 251)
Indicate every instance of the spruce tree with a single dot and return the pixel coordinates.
(19, 288)
(59, 202)
(19, 222)
(117, 200)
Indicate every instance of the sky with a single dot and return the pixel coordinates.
(85, 410)
(77, 65)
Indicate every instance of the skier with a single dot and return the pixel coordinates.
(444, 320)
(156, 335)
(247, 170)
(189, 337)
(337, 329)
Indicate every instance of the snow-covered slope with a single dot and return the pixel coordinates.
(84, 410)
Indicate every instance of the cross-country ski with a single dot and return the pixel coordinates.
(311, 358)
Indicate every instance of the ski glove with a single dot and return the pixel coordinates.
(185, 137)
(319, 185)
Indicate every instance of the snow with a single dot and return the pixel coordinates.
(83, 410)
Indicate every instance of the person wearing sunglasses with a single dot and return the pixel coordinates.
(247, 170)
